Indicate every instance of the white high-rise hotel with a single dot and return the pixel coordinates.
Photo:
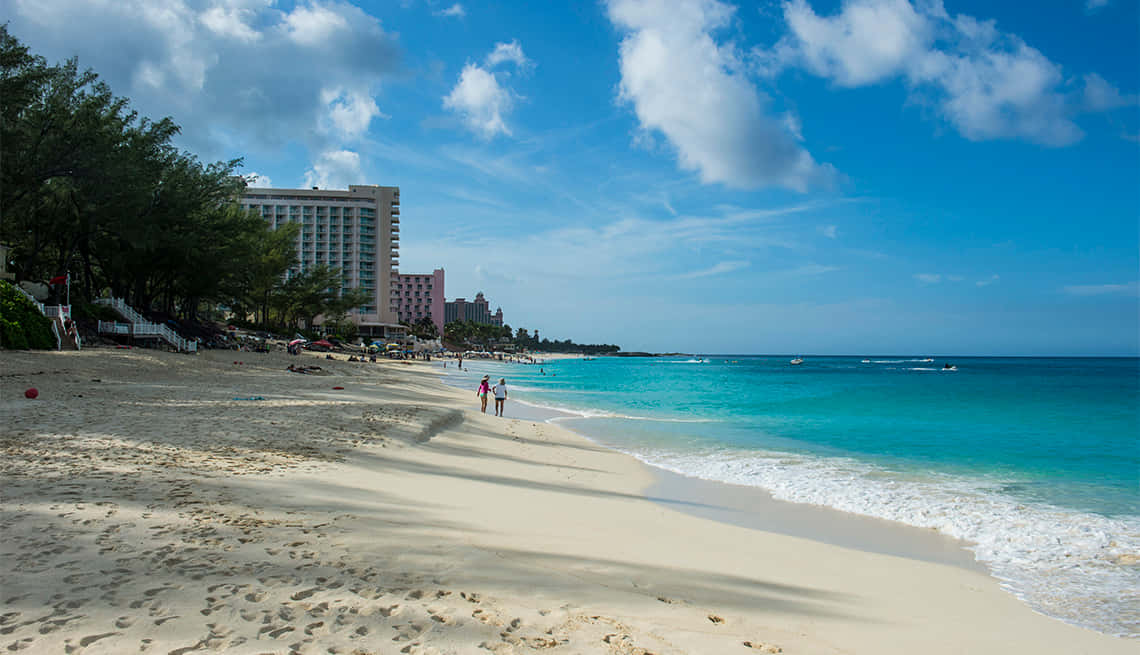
(357, 231)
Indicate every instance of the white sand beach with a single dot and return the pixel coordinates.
(163, 503)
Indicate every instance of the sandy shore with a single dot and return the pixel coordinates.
(165, 503)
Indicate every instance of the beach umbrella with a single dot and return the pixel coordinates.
(323, 343)
(296, 341)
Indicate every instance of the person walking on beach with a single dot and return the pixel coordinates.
(484, 388)
(500, 390)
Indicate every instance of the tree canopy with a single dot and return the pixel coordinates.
(89, 186)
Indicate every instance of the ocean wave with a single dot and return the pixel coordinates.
(576, 413)
(1078, 567)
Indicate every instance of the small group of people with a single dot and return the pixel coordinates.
(499, 390)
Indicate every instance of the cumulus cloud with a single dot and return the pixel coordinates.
(985, 83)
(481, 98)
(230, 22)
(456, 11)
(868, 41)
(1099, 95)
(237, 75)
(693, 90)
(480, 101)
(348, 112)
(508, 52)
(335, 169)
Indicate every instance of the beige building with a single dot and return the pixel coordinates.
(357, 231)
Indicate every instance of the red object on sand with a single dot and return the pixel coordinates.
(341, 388)
(31, 393)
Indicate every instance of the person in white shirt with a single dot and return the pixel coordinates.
(500, 391)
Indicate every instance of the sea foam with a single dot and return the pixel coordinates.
(1082, 568)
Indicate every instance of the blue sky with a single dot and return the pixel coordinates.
(872, 176)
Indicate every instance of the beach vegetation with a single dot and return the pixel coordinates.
(91, 188)
(22, 326)
(486, 336)
(424, 328)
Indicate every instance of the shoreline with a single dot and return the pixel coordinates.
(743, 504)
(755, 508)
(151, 504)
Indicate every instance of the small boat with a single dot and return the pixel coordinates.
(927, 360)
(866, 361)
(949, 367)
(797, 361)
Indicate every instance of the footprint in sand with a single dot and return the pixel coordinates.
(302, 595)
(90, 639)
(407, 632)
(124, 622)
(763, 648)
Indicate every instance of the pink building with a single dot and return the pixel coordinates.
(416, 295)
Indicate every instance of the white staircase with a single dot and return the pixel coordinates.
(137, 326)
(58, 315)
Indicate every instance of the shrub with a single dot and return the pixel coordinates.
(22, 326)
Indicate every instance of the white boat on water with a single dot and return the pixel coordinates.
(797, 361)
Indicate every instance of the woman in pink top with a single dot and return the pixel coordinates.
(484, 389)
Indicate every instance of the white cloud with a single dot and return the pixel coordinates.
(868, 41)
(481, 101)
(928, 278)
(1099, 95)
(456, 11)
(349, 112)
(993, 279)
(511, 52)
(717, 269)
(315, 25)
(829, 231)
(239, 76)
(1127, 288)
(986, 83)
(481, 97)
(230, 22)
(681, 83)
(1092, 5)
(335, 169)
(255, 179)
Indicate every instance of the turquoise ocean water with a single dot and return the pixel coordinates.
(1035, 462)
